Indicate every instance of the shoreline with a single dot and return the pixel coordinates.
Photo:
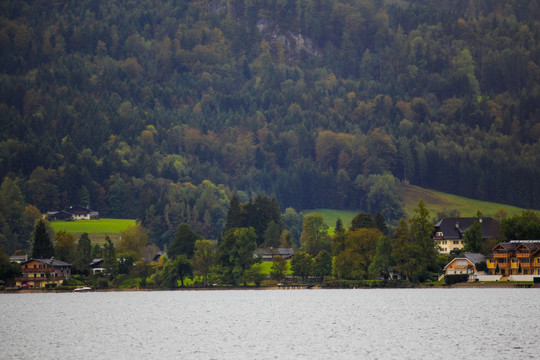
(501, 285)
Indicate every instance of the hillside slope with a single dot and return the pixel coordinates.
(161, 110)
(442, 203)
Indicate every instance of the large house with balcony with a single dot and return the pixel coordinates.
(449, 232)
(517, 257)
(39, 272)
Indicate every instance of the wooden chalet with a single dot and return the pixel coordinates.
(517, 257)
(464, 264)
(37, 273)
(449, 232)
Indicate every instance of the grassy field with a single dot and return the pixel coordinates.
(330, 216)
(96, 229)
(437, 201)
(267, 268)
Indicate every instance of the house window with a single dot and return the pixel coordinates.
(456, 242)
(514, 261)
(42, 275)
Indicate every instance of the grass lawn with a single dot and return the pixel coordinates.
(267, 268)
(96, 229)
(437, 201)
(330, 216)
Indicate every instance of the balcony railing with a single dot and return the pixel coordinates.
(501, 255)
(55, 278)
(32, 270)
(523, 254)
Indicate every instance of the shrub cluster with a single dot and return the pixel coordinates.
(455, 278)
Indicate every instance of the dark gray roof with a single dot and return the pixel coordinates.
(96, 262)
(274, 251)
(454, 228)
(475, 258)
(18, 258)
(52, 262)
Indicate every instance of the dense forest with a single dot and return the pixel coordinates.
(162, 110)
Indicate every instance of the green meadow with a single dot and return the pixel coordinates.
(330, 216)
(96, 229)
(436, 201)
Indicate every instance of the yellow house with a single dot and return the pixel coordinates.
(449, 232)
(517, 257)
(37, 273)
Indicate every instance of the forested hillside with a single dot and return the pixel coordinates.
(160, 110)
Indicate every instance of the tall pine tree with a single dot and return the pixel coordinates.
(42, 247)
(235, 218)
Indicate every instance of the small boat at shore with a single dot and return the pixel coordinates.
(83, 289)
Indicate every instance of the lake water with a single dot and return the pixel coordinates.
(255, 324)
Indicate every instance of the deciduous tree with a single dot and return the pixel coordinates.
(183, 243)
(84, 254)
(322, 264)
(133, 240)
(473, 238)
(65, 246)
(203, 258)
(235, 253)
(314, 236)
(302, 265)
(279, 268)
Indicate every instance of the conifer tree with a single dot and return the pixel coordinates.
(234, 214)
(421, 230)
(42, 247)
(380, 222)
(109, 259)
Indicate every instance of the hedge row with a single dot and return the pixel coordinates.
(455, 278)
